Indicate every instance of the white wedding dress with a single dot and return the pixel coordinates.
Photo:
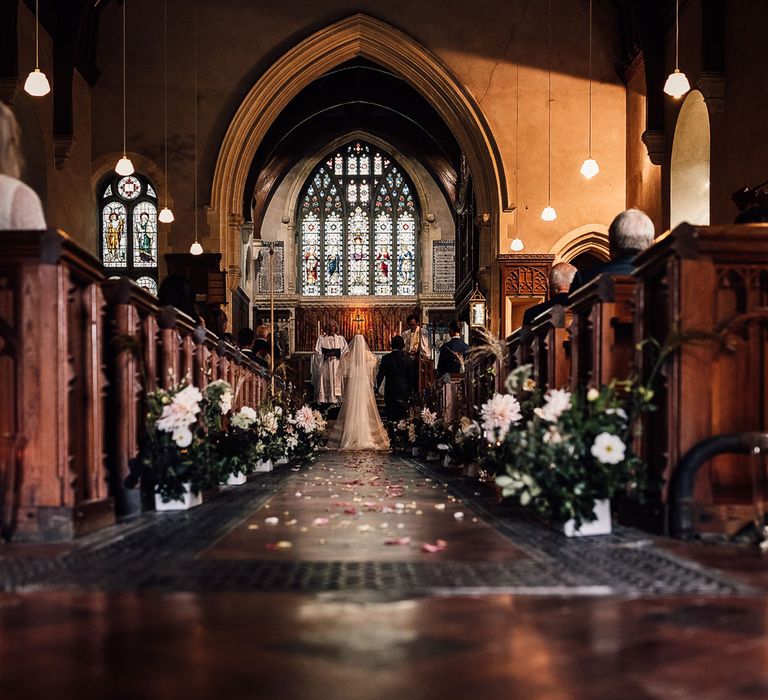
(359, 425)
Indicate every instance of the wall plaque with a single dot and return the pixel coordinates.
(443, 266)
(261, 265)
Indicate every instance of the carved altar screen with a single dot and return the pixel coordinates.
(358, 219)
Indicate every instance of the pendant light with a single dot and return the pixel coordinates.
(36, 83)
(196, 248)
(590, 168)
(677, 84)
(124, 166)
(516, 245)
(166, 215)
(549, 213)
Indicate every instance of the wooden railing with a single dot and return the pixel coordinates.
(550, 347)
(77, 355)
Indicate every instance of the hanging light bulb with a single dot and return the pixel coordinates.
(124, 166)
(165, 216)
(590, 168)
(36, 83)
(548, 213)
(677, 84)
(196, 249)
(516, 245)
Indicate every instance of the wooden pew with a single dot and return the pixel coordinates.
(550, 347)
(53, 476)
(602, 342)
(715, 280)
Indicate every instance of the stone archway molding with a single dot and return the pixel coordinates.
(356, 36)
(589, 238)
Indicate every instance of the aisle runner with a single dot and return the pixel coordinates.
(362, 525)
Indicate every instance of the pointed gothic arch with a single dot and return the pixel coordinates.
(355, 36)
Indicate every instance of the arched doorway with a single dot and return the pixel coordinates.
(375, 41)
(689, 173)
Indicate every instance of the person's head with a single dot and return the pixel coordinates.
(144, 217)
(412, 321)
(397, 342)
(245, 337)
(10, 143)
(113, 216)
(631, 231)
(331, 328)
(560, 278)
(454, 328)
(262, 331)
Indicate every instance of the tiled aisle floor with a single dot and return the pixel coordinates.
(150, 644)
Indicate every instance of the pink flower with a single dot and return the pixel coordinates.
(499, 414)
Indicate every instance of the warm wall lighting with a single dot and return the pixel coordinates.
(677, 84)
(36, 83)
(196, 248)
(549, 213)
(516, 245)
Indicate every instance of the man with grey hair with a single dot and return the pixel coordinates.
(560, 278)
(630, 233)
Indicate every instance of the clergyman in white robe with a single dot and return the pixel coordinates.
(416, 342)
(325, 367)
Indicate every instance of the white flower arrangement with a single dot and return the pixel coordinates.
(244, 418)
(224, 390)
(499, 414)
(428, 417)
(269, 422)
(180, 414)
(305, 419)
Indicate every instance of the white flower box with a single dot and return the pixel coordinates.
(415, 452)
(236, 479)
(264, 466)
(600, 526)
(282, 460)
(186, 502)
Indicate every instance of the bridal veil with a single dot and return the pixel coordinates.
(359, 425)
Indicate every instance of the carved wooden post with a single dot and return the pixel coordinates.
(170, 346)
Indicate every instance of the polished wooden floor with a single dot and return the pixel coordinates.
(95, 644)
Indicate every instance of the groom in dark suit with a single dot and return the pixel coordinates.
(397, 369)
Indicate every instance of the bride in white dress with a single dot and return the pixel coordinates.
(358, 426)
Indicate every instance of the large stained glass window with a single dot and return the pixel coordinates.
(358, 224)
(128, 229)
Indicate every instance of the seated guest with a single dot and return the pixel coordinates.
(630, 233)
(245, 338)
(560, 279)
(453, 352)
(20, 207)
(262, 347)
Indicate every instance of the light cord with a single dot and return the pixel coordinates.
(590, 79)
(517, 111)
(125, 2)
(677, 34)
(196, 213)
(549, 105)
(165, 95)
(37, 34)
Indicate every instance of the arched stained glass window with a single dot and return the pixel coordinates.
(358, 226)
(128, 229)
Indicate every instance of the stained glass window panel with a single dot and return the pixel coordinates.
(129, 187)
(334, 254)
(406, 255)
(377, 167)
(382, 262)
(365, 192)
(151, 191)
(352, 192)
(147, 283)
(114, 236)
(338, 165)
(359, 261)
(108, 192)
(352, 164)
(365, 165)
(145, 235)
(310, 255)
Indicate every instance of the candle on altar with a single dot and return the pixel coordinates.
(318, 329)
(399, 327)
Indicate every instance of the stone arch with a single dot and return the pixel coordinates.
(590, 238)
(689, 170)
(355, 36)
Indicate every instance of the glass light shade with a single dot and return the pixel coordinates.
(516, 245)
(677, 84)
(165, 216)
(37, 84)
(196, 249)
(549, 213)
(124, 166)
(589, 168)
